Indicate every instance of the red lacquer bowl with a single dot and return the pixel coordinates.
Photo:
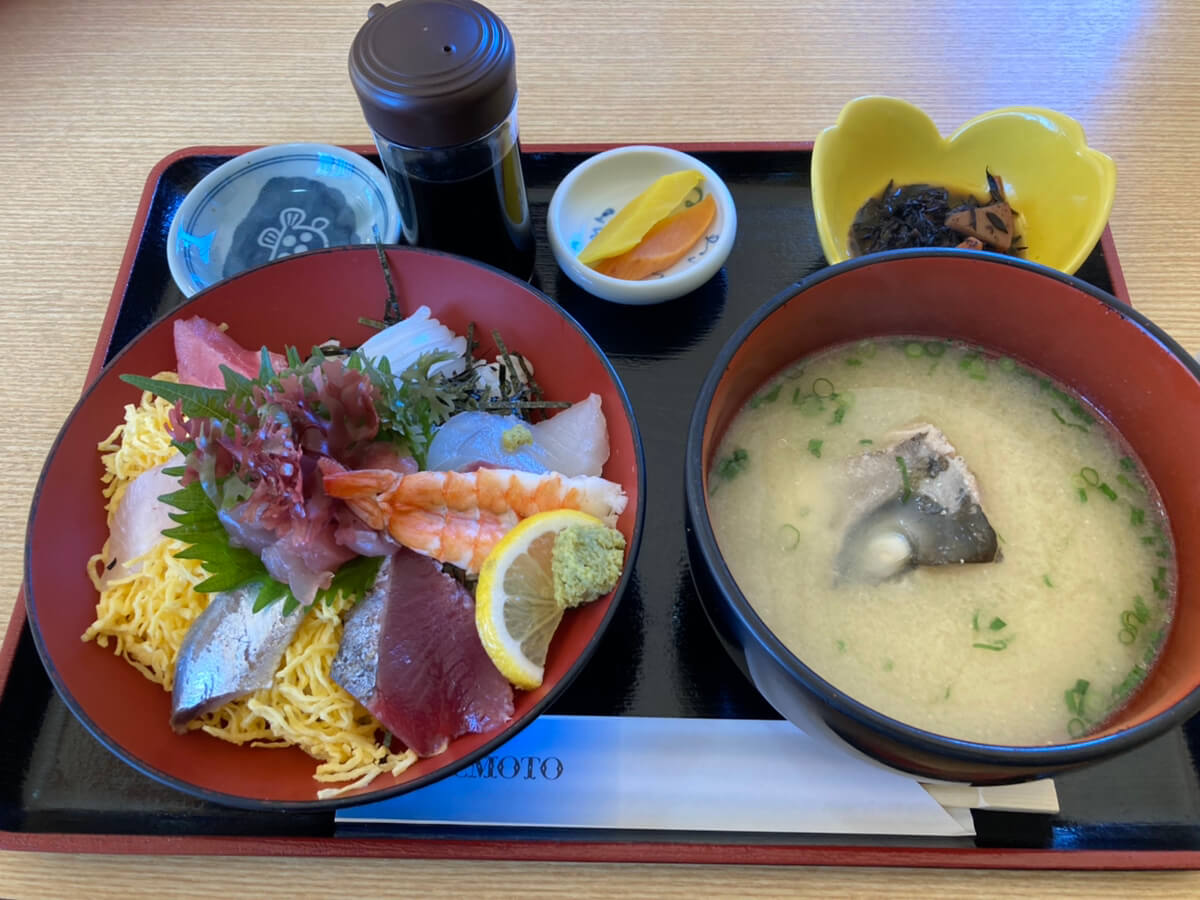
(1145, 384)
(301, 301)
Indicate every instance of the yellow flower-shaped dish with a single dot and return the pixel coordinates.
(1061, 188)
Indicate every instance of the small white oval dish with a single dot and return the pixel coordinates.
(599, 187)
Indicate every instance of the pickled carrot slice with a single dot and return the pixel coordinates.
(664, 244)
(639, 215)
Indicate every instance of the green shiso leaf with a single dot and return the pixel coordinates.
(198, 402)
(230, 567)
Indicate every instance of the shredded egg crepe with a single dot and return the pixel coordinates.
(147, 613)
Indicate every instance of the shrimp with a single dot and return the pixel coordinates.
(458, 517)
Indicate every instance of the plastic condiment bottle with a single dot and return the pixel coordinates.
(437, 83)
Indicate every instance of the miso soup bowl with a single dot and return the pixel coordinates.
(1145, 383)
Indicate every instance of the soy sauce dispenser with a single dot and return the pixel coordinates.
(437, 83)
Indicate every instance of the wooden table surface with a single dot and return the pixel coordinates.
(93, 94)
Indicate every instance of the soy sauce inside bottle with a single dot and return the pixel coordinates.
(436, 80)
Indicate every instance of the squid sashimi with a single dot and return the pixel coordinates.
(405, 342)
(572, 442)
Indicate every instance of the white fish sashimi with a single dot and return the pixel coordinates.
(471, 439)
(577, 437)
(573, 442)
(406, 341)
(139, 520)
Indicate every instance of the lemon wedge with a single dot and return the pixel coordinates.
(517, 607)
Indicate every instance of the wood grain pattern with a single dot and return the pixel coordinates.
(94, 93)
(190, 877)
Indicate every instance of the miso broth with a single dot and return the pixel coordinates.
(1039, 641)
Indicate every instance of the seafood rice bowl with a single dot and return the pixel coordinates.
(330, 558)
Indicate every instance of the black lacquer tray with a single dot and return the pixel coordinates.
(61, 790)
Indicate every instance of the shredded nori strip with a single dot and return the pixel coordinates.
(391, 308)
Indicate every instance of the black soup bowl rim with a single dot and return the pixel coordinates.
(130, 757)
(1049, 756)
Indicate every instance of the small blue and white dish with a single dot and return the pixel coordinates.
(274, 202)
(592, 193)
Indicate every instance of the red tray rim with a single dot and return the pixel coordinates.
(550, 850)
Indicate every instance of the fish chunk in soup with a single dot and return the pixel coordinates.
(948, 536)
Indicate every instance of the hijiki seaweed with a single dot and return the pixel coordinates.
(927, 215)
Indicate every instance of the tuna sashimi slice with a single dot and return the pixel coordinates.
(201, 348)
(411, 655)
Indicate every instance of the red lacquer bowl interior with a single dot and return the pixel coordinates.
(1144, 383)
(301, 302)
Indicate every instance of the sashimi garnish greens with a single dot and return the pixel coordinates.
(239, 442)
(230, 567)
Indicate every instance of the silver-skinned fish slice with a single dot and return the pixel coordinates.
(230, 651)
(361, 630)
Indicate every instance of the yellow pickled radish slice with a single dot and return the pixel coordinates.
(627, 228)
